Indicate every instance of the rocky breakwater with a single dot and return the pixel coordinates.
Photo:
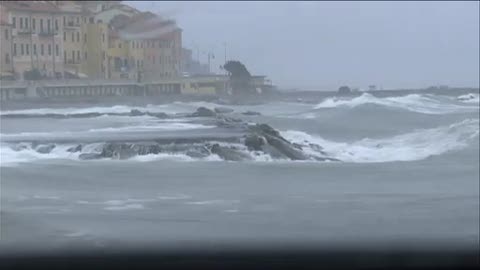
(232, 139)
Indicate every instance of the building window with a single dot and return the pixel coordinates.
(26, 23)
(73, 56)
(35, 49)
(56, 49)
(91, 20)
(27, 49)
(103, 55)
(22, 52)
(103, 37)
(6, 34)
(78, 56)
(85, 55)
(49, 49)
(64, 57)
(78, 36)
(33, 24)
(64, 21)
(85, 38)
(14, 49)
(78, 20)
(7, 58)
(14, 22)
(56, 24)
(119, 45)
(21, 22)
(64, 36)
(48, 25)
(73, 37)
(42, 49)
(41, 25)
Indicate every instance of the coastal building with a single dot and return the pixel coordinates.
(74, 20)
(6, 61)
(144, 47)
(88, 39)
(96, 47)
(36, 42)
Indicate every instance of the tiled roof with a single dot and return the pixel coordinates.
(148, 22)
(33, 6)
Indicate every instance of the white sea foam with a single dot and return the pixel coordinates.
(165, 126)
(473, 98)
(211, 202)
(427, 104)
(415, 145)
(175, 107)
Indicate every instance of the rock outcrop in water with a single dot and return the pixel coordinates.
(223, 110)
(262, 135)
(45, 149)
(244, 141)
(203, 112)
(251, 113)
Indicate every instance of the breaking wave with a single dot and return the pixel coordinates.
(469, 98)
(427, 104)
(416, 145)
(175, 107)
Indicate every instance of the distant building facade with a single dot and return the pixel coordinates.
(36, 41)
(88, 39)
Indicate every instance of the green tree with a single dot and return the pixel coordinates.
(240, 77)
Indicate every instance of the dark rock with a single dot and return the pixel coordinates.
(251, 113)
(223, 110)
(203, 112)
(135, 112)
(198, 152)
(111, 149)
(227, 153)
(229, 122)
(158, 115)
(285, 148)
(45, 149)
(326, 159)
(274, 139)
(89, 156)
(344, 90)
(124, 153)
(84, 115)
(255, 142)
(266, 129)
(144, 148)
(296, 145)
(75, 149)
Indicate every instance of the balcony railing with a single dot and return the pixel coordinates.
(24, 31)
(45, 33)
(72, 62)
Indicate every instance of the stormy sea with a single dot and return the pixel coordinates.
(367, 169)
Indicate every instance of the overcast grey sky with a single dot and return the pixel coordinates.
(322, 45)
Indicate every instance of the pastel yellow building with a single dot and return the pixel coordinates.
(6, 60)
(96, 47)
(35, 31)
